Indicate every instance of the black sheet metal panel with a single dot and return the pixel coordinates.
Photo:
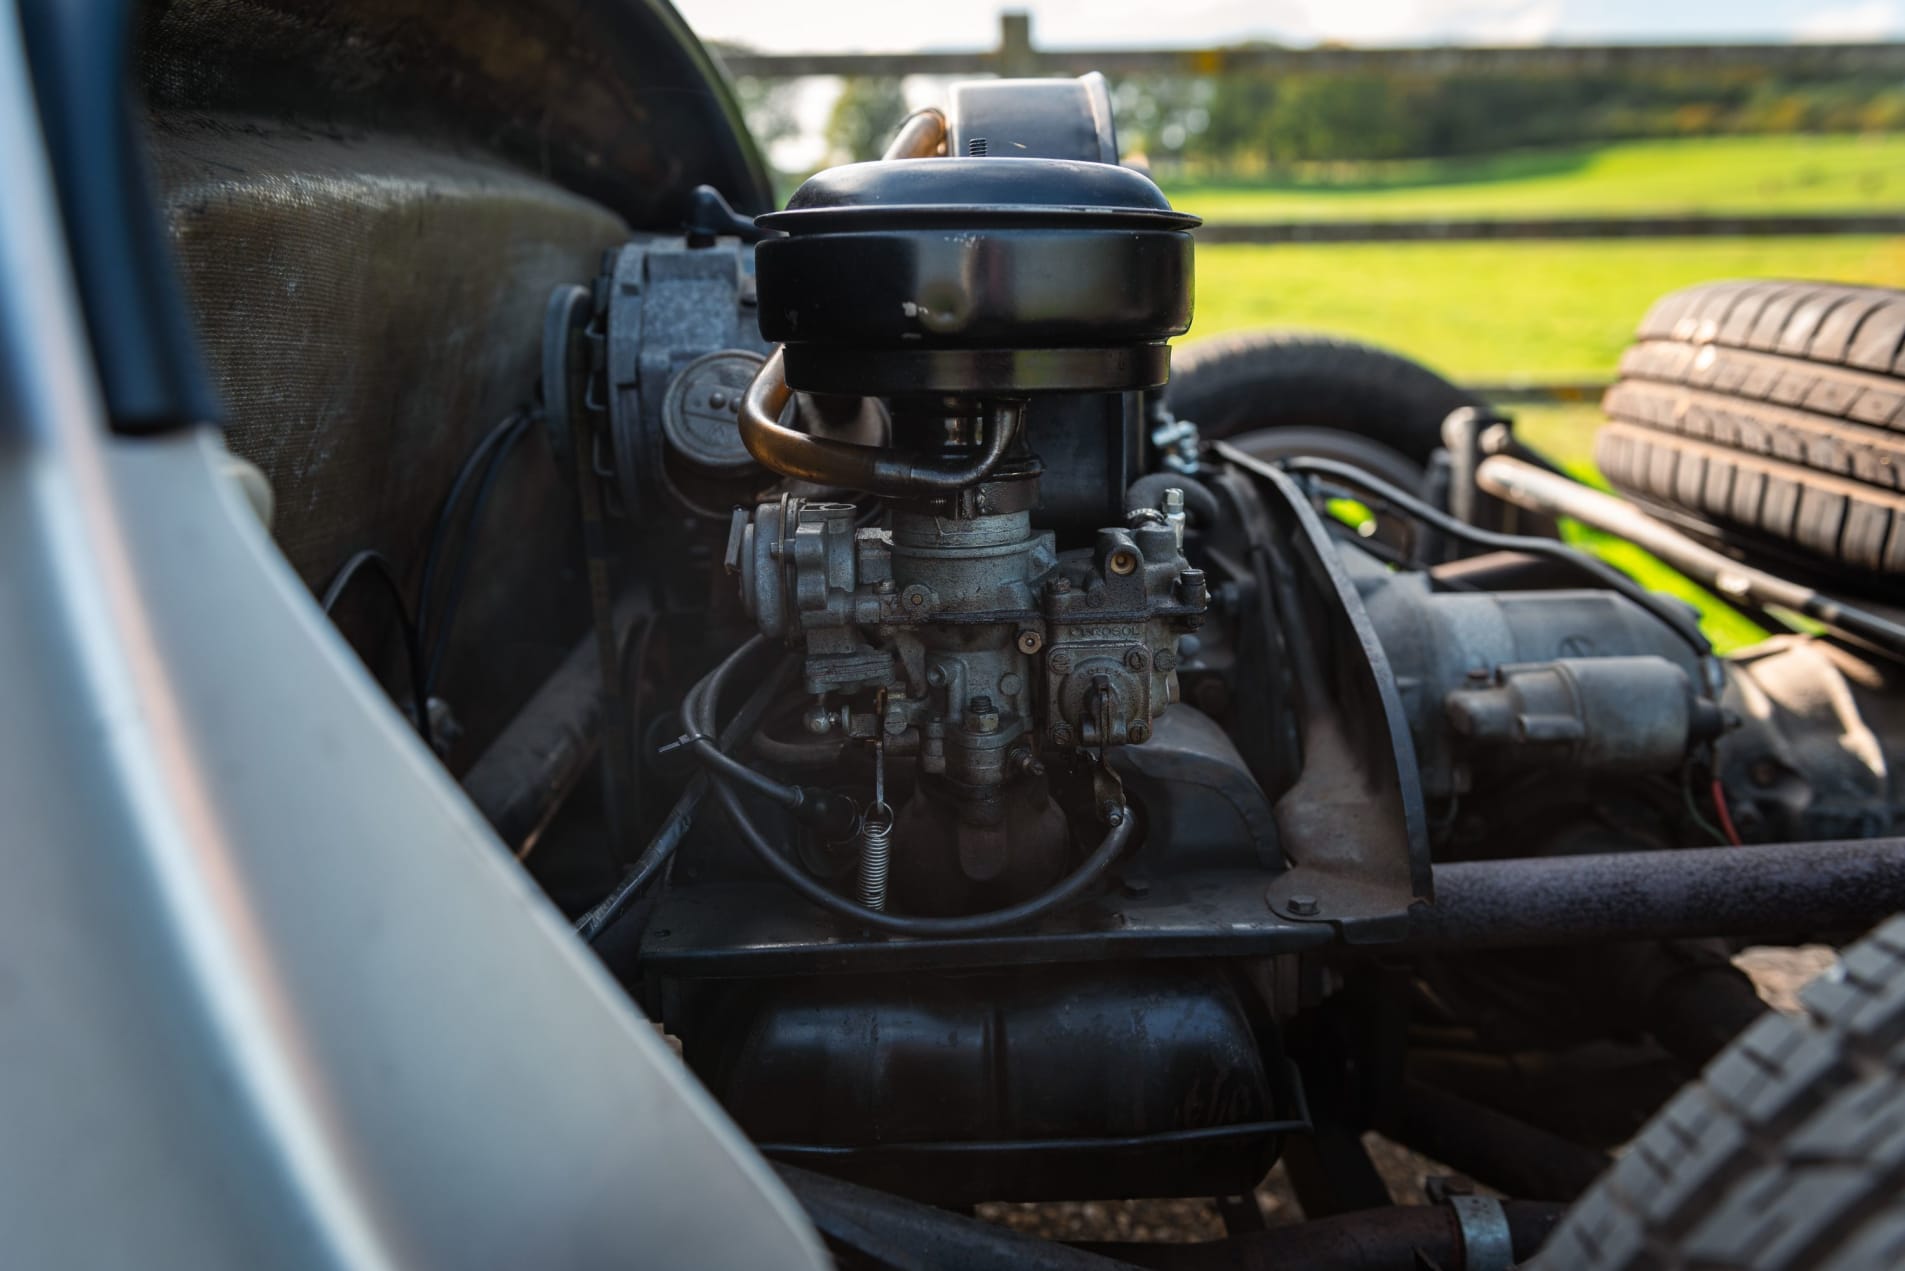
(1353, 825)
(370, 307)
(764, 929)
(616, 101)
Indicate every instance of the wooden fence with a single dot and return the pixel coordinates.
(1015, 54)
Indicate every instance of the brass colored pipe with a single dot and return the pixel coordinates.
(921, 136)
(877, 470)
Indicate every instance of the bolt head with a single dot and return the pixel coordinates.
(1139, 732)
(1302, 905)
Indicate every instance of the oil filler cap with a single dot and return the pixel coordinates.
(988, 277)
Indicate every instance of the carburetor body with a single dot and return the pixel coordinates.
(991, 647)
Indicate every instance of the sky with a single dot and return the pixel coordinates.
(851, 26)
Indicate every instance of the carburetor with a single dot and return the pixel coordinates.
(945, 626)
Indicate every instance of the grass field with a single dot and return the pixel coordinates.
(1723, 174)
(1502, 310)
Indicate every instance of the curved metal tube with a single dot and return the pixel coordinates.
(921, 135)
(877, 470)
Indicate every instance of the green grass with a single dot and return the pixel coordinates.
(1708, 175)
(1490, 311)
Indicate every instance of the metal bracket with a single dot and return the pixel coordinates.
(1487, 1244)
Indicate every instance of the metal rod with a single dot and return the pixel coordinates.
(891, 1231)
(1394, 1238)
(1529, 487)
(1492, 1147)
(1761, 890)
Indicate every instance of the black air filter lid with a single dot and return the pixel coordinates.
(997, 192)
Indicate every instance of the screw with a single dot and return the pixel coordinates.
(1139, 732)
(1112, 811)
(1061, 734)
(936, 676)
(1165, 660)
(1136, 659)
(1030, 642)
(1303, 906)
(1060, 661)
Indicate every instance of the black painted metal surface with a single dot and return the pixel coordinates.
(1064, 1083)
(981, 276)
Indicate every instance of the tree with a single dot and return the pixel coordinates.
(864, 118)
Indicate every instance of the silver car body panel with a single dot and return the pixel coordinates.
(271, 994)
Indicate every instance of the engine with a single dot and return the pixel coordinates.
(1049, 749)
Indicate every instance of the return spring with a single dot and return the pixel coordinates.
(875, 834)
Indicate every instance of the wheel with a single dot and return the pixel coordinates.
(1289, 379)
(1770, 415)
(1787, 1155)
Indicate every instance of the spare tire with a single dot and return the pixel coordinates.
(1787, 1155)
(1770, 415)
(1254, 380)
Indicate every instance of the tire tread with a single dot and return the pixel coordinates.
(1787, 1155)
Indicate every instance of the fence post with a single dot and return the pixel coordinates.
(1016, 58)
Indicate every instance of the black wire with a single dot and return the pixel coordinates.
(1667, 611)
(374, 560)
(445, 524)
(661, 848)
(506, 437)
(699, 710)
